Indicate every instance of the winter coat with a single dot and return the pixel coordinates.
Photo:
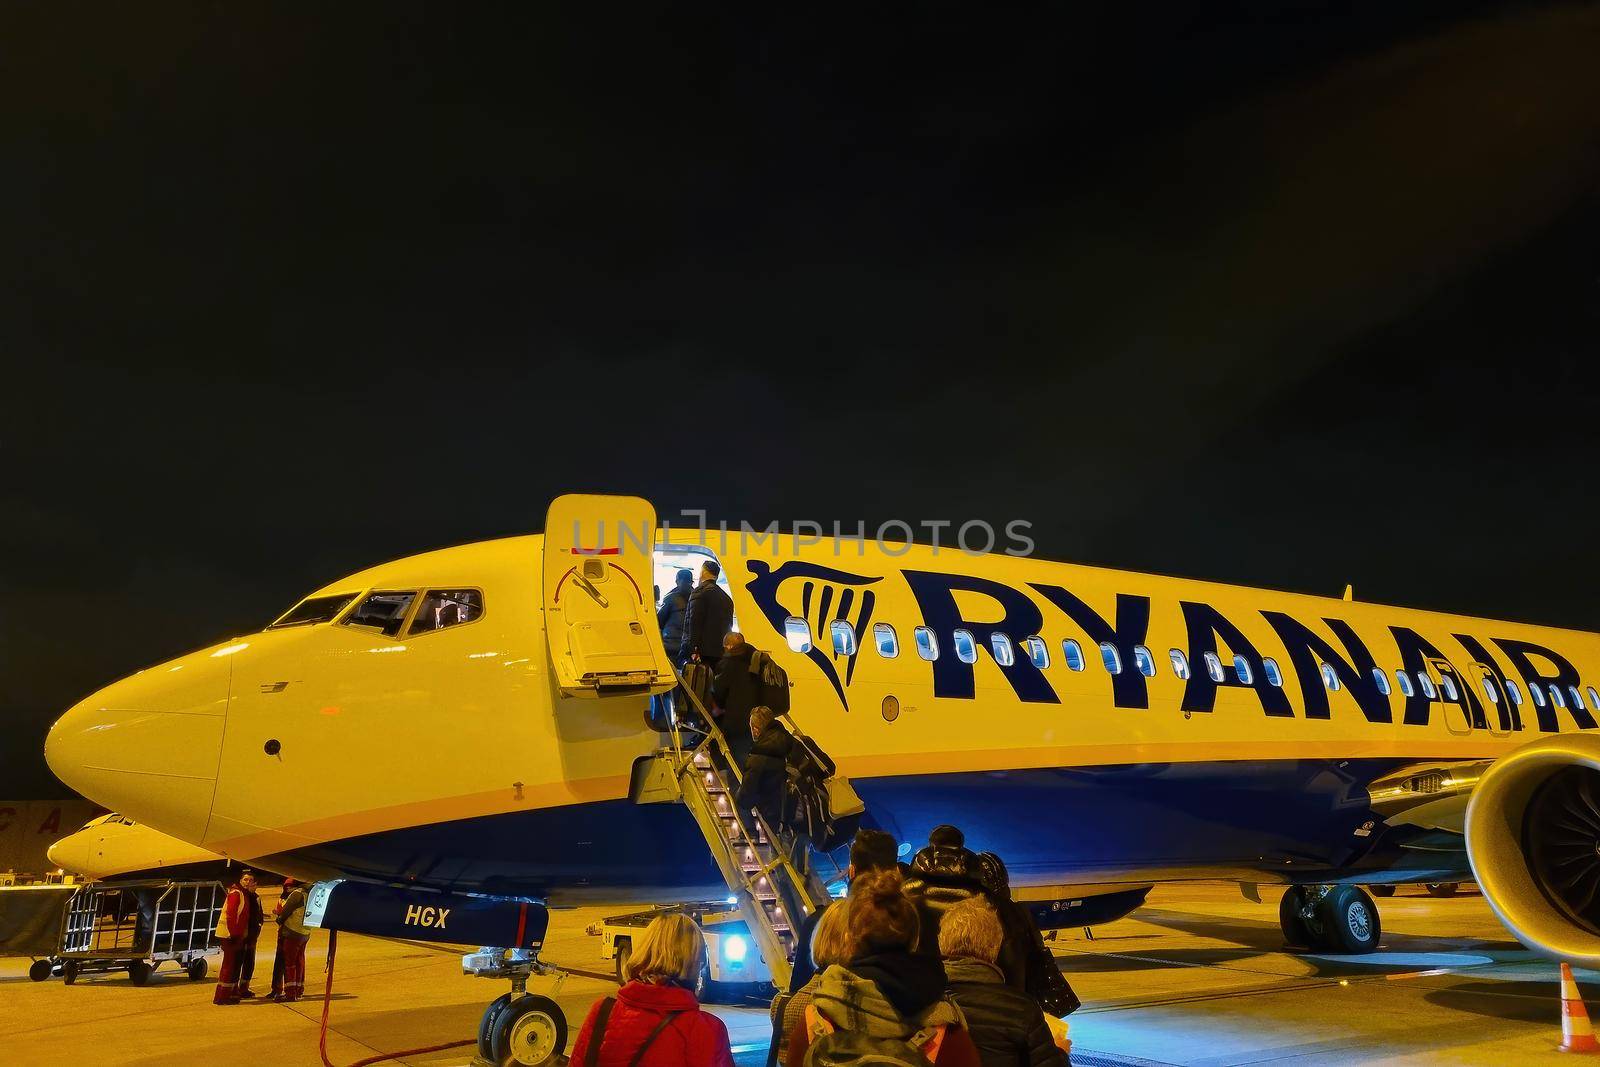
(889, 994)
(706, 621)
(766, 770)
(695, 1038)
(257, 915)
(1007, 1026)
(736, 690)
(674, 606)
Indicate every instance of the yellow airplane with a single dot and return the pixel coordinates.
(113, 846)
(470, 720)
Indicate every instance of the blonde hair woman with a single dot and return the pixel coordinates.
(830, 944)
(654, 1020)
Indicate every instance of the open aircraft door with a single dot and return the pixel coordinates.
(601, 623)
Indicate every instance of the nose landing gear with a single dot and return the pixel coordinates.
(1330, 918)
(519, 1029)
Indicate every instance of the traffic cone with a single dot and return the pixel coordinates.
(1576, 1033)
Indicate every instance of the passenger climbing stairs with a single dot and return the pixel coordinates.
(770, 878)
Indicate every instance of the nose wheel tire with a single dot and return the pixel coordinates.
(530, 1031)
(486, 1025)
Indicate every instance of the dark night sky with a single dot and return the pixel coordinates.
(1290, 294)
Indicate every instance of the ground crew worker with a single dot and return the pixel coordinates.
(289, 965)
(233, 932)
(707, 619)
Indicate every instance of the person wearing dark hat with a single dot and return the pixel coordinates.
(289, 965)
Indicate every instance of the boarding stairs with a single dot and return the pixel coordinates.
(772, 880)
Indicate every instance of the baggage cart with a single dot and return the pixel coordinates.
(138, 926)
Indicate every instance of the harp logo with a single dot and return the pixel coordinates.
(821, 596)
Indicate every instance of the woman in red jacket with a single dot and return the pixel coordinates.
(654, 1020)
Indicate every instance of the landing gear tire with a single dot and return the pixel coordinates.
(1349, 920)
(1296, 932)
(139, 972)
(196, 968)
(69, 972)
(486, 1025)
(40, 970)
(530, 1031)
(1442, 889)
(1381, 890)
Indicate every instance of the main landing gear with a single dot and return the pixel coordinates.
(519, 1029)
(1330, 918)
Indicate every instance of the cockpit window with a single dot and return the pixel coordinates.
(313, 609)
(384, 611)
(447, 607)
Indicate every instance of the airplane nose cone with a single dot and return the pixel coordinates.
(148, 746)
(69, 854)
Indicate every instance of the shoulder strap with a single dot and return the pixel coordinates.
(666, 1021)
(597, 1035)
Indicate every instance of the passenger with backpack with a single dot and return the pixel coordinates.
(766, 769)
(826, 944)
(1006, 1024)
(736, 690)
(888, 1005)
(654, 1020)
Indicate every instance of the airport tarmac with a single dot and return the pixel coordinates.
(1197, 977)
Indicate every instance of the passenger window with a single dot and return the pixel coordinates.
(1514, 691)
(1594, 699)
(1038, 652)
(382, 611)
(447, 607)
(313, 610)
(1214, 667)
(1004, 654)
(1144, 661)
(1241, 670)
(966, 647)
(1490, 691)
(1449, 686)
(1537, 694)
(1110, 657)
(797, 632)
(1577, 698)
(1555, 697)
(1330, 677)
(1402, 681)
(1072, 655)
(1380, 680)
(1269, 667)
(844, 637)
(927, 643)
(888, 641)
(1426, 685)
(1180, 663)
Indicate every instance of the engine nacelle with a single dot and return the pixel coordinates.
(1533, 838)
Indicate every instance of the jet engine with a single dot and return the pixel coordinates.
(1533, 838)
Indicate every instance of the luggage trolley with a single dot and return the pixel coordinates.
(138, 926)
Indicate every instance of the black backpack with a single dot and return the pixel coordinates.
(772, 683)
